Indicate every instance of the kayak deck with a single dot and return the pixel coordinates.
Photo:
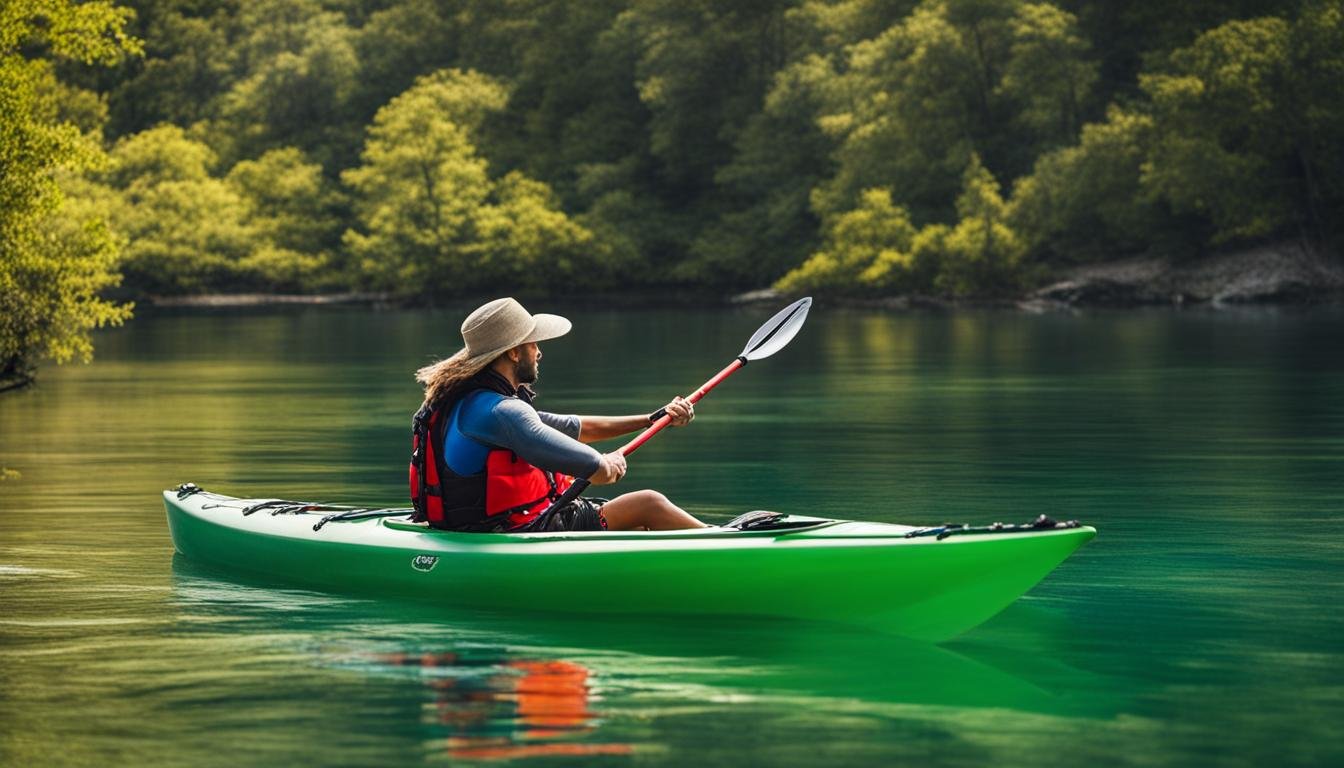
(859, 573)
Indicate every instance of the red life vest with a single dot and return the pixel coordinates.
(510, 493)
(518, 489)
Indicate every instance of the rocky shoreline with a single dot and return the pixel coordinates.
(1283, 273)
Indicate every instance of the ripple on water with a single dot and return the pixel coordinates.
(24, 572)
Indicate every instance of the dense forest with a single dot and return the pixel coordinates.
(442, 148)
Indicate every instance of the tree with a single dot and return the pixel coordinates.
(420, 183)
(293, 206)
(703, 69)
(911, 105)
(875, 249)
(1001, 79)
(1129, 37)
(782, 154)
(297, 71)
(53, 265)
(706, 144)
(291, 201)
(396, 45)
(184, 69)
(573, 102)
(866, 249)
(1222, 134)
(1085, 202)
(1316, 94)
(982, 255)
(1048, 73)
(187, 231)
(525, 241)
(433, 221)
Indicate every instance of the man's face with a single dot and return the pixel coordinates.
(528, 368)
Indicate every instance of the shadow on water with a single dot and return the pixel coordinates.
(491, 686)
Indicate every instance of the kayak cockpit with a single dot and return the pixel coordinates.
(782, 525)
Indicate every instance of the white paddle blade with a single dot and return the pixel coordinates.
(777, 331)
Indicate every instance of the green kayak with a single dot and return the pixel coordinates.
(923, 583)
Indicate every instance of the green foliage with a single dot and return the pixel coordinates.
(92, 32)
(998, 78)
(1085, 203)
(396, 45)
(423, 146)
(875, 249)
(299, 72)
(868, 248)
(982, 255)
(1226, 147)
(1240, 113)
(1316, 96)
(685, 48)
(1221, 128)
(1129, 37)
(54, 261)
(524, 240)
(433, 220)
(905, 110)
(300, 212)
(163, 154)
(421, 181)
(292, 203)
(782, 154)
(270, 223)
(185, 67)
(186, 230)
(1048, 72)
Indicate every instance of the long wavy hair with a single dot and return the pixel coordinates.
(441, 378)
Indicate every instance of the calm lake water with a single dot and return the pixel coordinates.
(1202, 627)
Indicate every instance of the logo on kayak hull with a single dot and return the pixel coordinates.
(424, 563)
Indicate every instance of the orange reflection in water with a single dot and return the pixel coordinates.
(519, 708)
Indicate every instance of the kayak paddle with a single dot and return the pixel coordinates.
(777, 332)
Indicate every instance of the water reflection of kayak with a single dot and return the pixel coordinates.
(891, 578)
(457, 653)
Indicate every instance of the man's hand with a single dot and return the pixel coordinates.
(610, 469)
(681, 410)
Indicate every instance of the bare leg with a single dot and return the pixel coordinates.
(646, 511)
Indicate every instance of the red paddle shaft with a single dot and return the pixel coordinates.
(665, 419)
(768, 339)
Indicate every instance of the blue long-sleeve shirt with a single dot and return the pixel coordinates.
(485, 420)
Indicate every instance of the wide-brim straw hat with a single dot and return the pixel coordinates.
(500, 325)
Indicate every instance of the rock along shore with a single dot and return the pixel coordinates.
(1282, 273)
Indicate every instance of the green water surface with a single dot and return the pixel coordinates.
(1202, 627)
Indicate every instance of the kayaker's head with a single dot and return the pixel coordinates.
(520, 364)
(499, 332)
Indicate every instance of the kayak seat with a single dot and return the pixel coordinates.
(765, 520)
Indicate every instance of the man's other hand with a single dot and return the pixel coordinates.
(610, 469)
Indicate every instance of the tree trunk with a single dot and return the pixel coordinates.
(14, 374)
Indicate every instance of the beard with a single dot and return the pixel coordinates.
(526, 372)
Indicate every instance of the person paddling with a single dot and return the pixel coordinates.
(485, 459)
